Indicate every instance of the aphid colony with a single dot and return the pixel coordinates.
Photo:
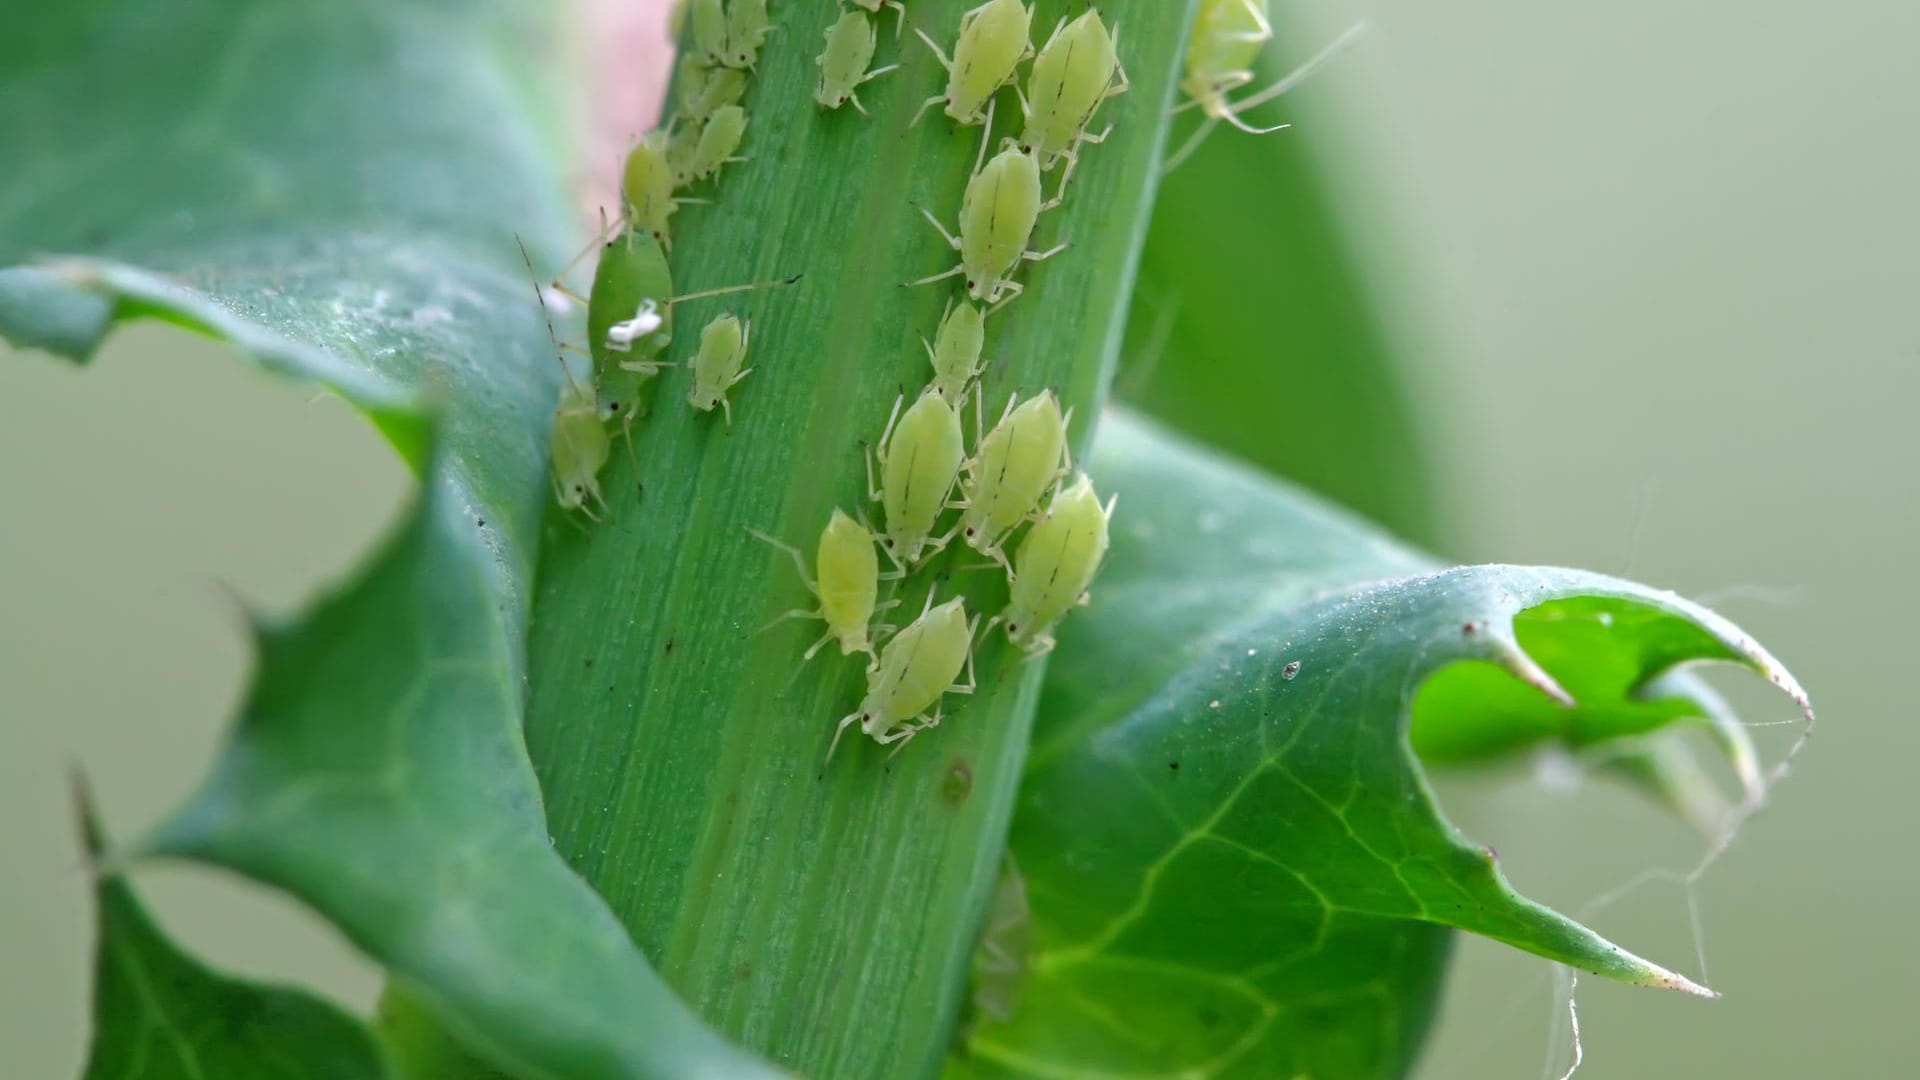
(1019, 474)
(629, 307)
(928, 486)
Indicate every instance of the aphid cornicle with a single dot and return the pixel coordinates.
(997, 215)
(1010, 471)
(747, 29)
(846, 582)
(920, 454)
(872, 7)
(1076, 70)
(915, 670)
(992, 42)
(955, 351)
(716, 367)
(843, 63)
(719, 137)
(1054, 565)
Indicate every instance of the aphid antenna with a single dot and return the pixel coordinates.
(799, 563)
(986, 136)
(1286, 82)
(607, 227)
(707, 293)
(545, 315)
(1312, 64)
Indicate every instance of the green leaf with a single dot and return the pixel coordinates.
(1235, 865)
(1264, 326)
(823, 915)
(160, 1014)
(333, 188)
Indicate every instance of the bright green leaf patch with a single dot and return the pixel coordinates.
(334, 189)
(161, 1015)
(1240, 870)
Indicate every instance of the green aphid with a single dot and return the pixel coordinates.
(992, 42)
(846, 582)
(1010, 471)
(1054, 565)
(719, 137)
(747, 29)
(1076, 70)
(916, 669)
(717, 366)
(702, 89)
(843, 63)
(997, 215)
(955, 352)
(919, 455)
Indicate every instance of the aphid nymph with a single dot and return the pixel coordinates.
(1054, 565)
(719, 138)
(920, 454)
(992, 42)
(747, 29)
(843, 63)
(646, 185)
(955, 351)
(717, 366)
(915, 670)
(709, 21)
(845, 581)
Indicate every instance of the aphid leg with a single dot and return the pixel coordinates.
(799, 563)
(1299, 74)
(986, 137)
(814, 649)
(787, 616)
(1037, 256)
(1041, 645)
(1012, 289)
(850, 720)
(1179, 157)
(955, 272)
(1262, 31)
(951, 239)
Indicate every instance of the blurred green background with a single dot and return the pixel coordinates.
(1657, 264)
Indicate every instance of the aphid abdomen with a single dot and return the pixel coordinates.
(930, 667)
(1055, 564)
(1073, 73)
(632, 270)
(646, 183)
(1011, 471)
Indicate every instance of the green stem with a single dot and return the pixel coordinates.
(823, 916)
